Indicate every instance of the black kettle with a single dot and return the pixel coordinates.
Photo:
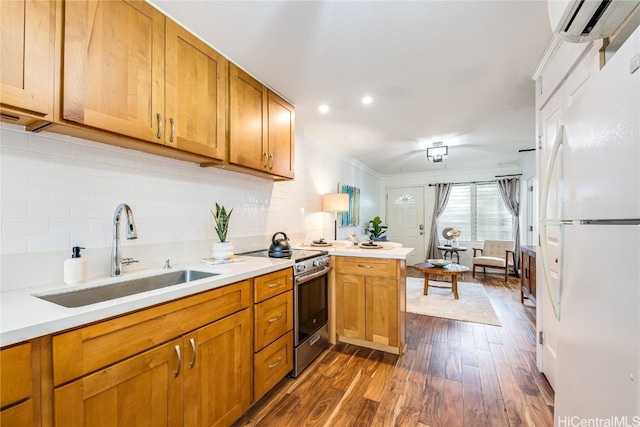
(280, 248)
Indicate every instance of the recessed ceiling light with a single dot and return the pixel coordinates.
(367, 100)
(323, 108)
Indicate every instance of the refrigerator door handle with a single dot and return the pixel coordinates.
(544, 221)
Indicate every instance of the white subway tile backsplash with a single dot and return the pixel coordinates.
(14, 209)
(14, 244)
(59, 191)
(50, 242)
(25, 227)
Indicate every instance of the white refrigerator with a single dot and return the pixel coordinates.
(597, 302)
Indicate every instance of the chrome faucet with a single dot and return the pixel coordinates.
(116, 252)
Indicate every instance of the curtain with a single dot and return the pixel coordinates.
(509, 189)
(443, 190)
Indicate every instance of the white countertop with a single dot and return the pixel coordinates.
(388, 250)
(24, 316)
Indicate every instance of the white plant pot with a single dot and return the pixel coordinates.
(222, 250)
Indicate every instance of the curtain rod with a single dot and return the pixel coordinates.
(479, 182)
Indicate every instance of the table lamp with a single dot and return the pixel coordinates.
(335, 202)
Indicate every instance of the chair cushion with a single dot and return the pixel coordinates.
(497, 248)
(489, 261)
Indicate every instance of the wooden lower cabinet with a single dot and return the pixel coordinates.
(183, 363)
(201, 379)
(144, 390)
(217, 371)
(24, 370)
(370, 302)
(273, 330)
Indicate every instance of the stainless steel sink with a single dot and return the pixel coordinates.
(124, 288)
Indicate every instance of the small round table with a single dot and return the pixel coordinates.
(453, 270)
(452, 250)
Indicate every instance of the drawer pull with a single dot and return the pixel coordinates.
(177, 371)
(365, 266)
(273, 365)
(273, 285)
(314, 340)
(275, 319)
(193, 348)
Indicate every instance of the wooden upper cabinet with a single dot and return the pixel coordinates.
(247, 116)
(281, 136)
(27, 30)
(261, 133)
(195, 93)
(113, 67)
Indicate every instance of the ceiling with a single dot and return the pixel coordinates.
(451, 71)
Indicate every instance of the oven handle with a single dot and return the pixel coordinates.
(303, 279)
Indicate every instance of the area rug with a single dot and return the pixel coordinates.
(473, 304)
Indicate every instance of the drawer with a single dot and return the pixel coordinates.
(273, 318)
(84, 350)
(15, 373)
(271, 364)
(272, 284)
(367, 266)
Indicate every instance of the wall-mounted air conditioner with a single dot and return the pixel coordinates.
(584, 20)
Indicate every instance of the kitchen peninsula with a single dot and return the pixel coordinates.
(367, 294)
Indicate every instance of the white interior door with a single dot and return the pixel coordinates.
(405, 218)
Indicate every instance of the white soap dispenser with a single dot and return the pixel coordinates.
(75, 268)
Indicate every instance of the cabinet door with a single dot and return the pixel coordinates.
(27, 46)
(16, 385)
(113, 67)
(145, 390)
(350, 306)
(382, 311)
(247, 115)
(281, 136)
(218, 366)
(195, 94)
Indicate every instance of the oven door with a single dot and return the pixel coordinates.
(311, 304)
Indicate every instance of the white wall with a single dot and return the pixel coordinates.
(59, 192)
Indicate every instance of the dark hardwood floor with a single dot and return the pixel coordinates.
(453, 373)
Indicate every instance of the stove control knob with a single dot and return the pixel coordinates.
(316, 263)
(300, 267)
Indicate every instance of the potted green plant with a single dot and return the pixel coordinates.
(223, 249)
(376, 229)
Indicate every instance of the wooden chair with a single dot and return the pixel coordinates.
(495, 254)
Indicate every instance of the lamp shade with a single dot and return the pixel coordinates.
(335, 202)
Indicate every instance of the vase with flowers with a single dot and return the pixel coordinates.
(222, 250)
(454, 234)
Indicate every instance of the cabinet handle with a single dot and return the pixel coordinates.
(159, 135)
(272, 160)
(275, 319)
(314, 340)
(273, 285)
(273, 365)
(365, 266)
(177, 371)
(173, 129)
(193, 348)
(264, 155)
(526, 273)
